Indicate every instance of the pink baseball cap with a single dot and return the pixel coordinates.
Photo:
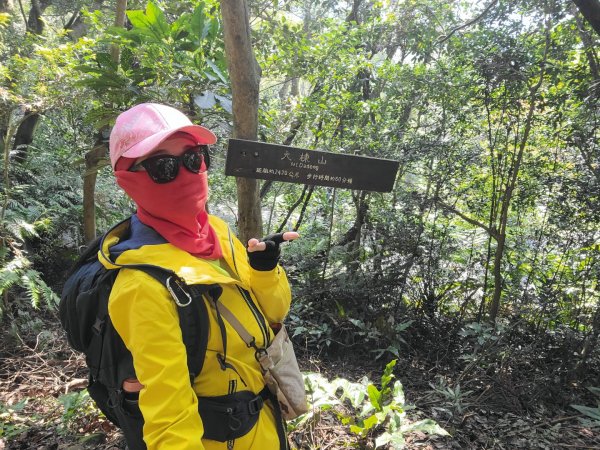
(139, 130)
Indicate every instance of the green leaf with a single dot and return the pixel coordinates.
(356, 429)
(4, 19)
(151, 23)
(105, 61)
(370, 422)
(394, 440)
(398, 394)
(382, 440)
(138, 19)
(157, 19)
(217, 71)
(197, 23)
(388, 374)
(428, 426)
(19, 406)
(403, 326)
(374, 396)
(593, 413)
(8, 279)
(397, 442)
(594, 390)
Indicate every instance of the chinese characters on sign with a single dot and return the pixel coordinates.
(296, 165)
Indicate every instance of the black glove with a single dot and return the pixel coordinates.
(269, 257)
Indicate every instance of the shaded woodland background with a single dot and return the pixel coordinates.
(479, 273)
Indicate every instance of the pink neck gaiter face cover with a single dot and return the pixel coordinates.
(176, 210)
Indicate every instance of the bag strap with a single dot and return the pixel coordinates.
(236, 324)
(261, 354)
(250, 342)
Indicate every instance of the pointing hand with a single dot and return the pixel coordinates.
(264, 254)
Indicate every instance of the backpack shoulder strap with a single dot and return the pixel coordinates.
(193, 315)
(191, 309)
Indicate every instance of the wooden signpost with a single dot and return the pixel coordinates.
(251, 159)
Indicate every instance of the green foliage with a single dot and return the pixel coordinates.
(376, 414)
(481, 332)
(75, 406)
(592, 414)
(162, 60)
(453, 398)
(372, 336)
(16, 271)
(65, 414)
(8, 429)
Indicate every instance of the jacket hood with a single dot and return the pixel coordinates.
(132, 242)
(138, 235)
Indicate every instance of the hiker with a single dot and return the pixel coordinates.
(160, 159)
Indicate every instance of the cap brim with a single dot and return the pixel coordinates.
(200, 134)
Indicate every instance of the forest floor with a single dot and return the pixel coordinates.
(43, 404)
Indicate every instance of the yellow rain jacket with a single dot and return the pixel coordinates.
(145, 316)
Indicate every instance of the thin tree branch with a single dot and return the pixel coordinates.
(466, 218)
(292, 209)
(303, 210)
(444, 38)
(23, 14)
(72, 20)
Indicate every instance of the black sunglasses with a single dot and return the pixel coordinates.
(164, 168)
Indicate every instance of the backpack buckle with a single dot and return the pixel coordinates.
(177, 284)
(255, 405)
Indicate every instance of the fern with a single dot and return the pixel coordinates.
(40, 290)
(7, 280)
(18, 273)
(48, 294)
(18, 263)
(28, 281)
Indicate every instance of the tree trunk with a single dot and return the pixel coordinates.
(35, 24)
(354, 235)
(590, 9)
(95, 155)
(77, 26)
(24, 136)
(115, 51)
(244, 73)
(6, 140)
(26, 129)
(92, 161)
(588, 45)
(5, 6)
(510, 188)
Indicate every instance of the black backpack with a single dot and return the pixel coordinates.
(83, 311)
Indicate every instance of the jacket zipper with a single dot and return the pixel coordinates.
(258, 316)
(232, 252)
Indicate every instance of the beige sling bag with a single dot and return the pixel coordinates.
(279, 367)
